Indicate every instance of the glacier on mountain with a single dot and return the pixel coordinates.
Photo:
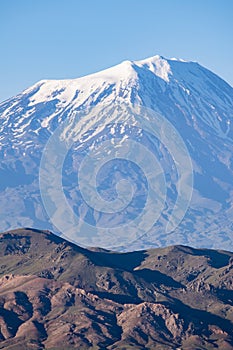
(194, 100)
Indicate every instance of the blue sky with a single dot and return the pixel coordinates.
(55, 39)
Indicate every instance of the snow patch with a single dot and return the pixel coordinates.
(157, 65)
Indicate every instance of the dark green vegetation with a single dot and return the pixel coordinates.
(56, 295)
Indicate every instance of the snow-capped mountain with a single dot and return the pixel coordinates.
(196, 102)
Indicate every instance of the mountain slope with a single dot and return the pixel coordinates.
(197, 103)
(56, 295)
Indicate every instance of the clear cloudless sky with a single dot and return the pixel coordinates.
(56, 39)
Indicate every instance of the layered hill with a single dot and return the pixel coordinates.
(57, 295)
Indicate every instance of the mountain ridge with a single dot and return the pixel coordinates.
(194, 100)
(56, 295)
(130, 64)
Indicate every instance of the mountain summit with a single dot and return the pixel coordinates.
(197, 103)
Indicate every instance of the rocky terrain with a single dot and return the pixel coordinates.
(56, 295)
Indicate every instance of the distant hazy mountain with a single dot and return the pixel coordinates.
(56, 295)
(194, 100)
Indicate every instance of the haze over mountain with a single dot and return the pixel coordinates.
(194, 100)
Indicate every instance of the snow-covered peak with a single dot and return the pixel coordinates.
(157, 65)
(120, 75)
(124, 70)
(125, 73)
(177, 59)
(197, 102)
(67, 90)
